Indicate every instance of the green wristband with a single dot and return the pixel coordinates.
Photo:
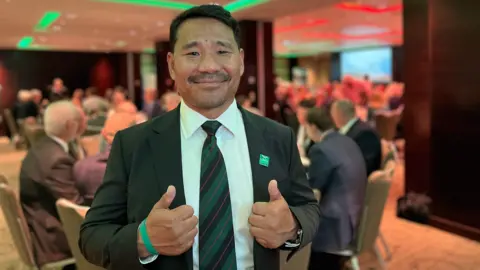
(145, 239)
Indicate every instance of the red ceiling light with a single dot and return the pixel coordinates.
(368, 8)
(300, 26)
(337, 36)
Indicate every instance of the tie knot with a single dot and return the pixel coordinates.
(211, 127)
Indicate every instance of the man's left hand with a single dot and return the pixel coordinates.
(272, 223)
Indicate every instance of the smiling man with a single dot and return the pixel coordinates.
(207, 185)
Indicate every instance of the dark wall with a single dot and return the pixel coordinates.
(442, 110)
(335, 72)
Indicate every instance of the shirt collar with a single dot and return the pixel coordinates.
(344, 130)
(191, 120)
(61, 142)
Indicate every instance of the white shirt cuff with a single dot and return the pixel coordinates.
(148, 259)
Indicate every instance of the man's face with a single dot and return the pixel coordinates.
(336, 116)
(302, 115)
(206, 64)
(82, 123)
(118, 97)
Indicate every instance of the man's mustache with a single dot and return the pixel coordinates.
(215, 77)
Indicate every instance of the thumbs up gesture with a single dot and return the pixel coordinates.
(171, 231)
(272, 223)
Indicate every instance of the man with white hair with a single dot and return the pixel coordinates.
(46, 175)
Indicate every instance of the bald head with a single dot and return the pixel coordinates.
(170, 100)
(61, 119)
(342, 111)
(116, 122)
(126, 107)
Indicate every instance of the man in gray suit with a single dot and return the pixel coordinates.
(337, 173)
(46, 176)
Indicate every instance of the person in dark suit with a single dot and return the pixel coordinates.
(207, 185)
(337, 174)
(57, 91)
(46, 176)
(344, 116)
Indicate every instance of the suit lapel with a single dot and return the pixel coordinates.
(165, 144)
(260, 177)
(256, 147)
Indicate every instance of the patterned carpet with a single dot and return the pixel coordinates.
(414, 247)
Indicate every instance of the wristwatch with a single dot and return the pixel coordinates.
(295, 243)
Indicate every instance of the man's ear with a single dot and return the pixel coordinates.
(242, 64)
(171, 65)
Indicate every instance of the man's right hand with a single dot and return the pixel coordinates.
(171, 231)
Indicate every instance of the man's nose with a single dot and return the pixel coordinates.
(208, 64)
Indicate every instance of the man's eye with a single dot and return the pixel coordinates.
(223, 52)
(193, 53)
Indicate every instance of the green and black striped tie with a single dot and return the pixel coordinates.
(216, 237)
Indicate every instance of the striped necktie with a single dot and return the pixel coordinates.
(216, 237)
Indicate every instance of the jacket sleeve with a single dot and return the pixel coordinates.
(106, 238)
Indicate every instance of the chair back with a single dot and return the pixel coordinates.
(16, 223)
(299, 261)
(33, 133)
(376, 196)
(389, 157)
(12, 126)
(71, 220)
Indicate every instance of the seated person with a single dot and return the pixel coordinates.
(344, 115)
(246, 103)
(46, 175)
(89, 171)
(337, 174)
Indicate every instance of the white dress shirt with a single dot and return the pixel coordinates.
(232, 141)
(61, 142)
(346, 128)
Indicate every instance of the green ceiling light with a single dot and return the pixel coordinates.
(47, 20)
(25, 42)
(232, 6)
(153, 3)
(242, 4)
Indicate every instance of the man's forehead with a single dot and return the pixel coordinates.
(203, 28)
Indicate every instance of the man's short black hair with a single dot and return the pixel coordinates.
(307, 103)
(211, 11)
(320, 117)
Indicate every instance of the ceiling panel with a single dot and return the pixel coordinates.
(301, 26)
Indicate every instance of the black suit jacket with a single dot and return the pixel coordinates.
(146, 159)
(338, 170)
(369, 142)
(46, 175)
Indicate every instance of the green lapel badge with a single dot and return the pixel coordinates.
(264, 160)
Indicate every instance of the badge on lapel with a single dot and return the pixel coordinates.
(264, 160)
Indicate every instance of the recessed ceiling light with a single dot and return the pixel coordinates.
(42, 39)
(133, 33)
(93, 47)
(7, 1)
(56, 28)
(160, 24)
